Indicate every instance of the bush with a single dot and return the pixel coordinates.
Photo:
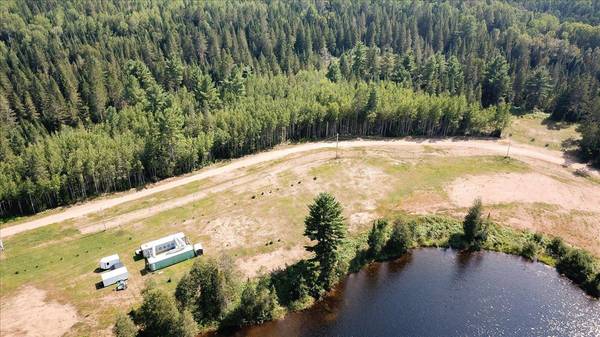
(530, 249)
(258, 303)
(124, 326)
(475, 230)
(593, 286)
(578, 265)
(557, 248)
(378, 236)
(400, 240)
(294, 282)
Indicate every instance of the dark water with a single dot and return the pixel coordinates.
(442, 293)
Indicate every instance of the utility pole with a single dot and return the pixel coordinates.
(337, 144)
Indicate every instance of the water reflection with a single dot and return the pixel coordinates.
(435, 292)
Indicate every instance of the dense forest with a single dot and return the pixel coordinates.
(98, 96)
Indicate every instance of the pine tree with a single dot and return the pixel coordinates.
(537, 89)
(359, 61)
(333, 72)
(474, 227)
(325, 224)
(174, 72)
(496, 82)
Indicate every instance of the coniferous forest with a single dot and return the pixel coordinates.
(100, 96)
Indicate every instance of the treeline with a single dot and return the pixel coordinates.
(159, 134)
(210, 295)
(104, 96)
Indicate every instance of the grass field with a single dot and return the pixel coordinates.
(261, 216)
(537, 129)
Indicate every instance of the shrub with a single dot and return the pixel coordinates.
(124, 326)
(294, 282)
(474, 227)
(530, 249)
(400, 239)
(593, 286)
(378, 237)
(577, 265)
(557, 248)
(258, 303)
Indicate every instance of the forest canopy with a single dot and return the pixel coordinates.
(99, 96)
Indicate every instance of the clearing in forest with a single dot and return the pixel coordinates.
(254, 213)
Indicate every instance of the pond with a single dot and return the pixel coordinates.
(435, 292)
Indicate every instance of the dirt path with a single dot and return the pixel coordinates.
(493, 146)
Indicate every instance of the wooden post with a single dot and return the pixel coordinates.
(337, 142)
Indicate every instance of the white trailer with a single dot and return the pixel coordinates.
(114, 276)
(110, 262)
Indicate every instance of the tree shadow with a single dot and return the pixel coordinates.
(555, 125)
(456, 241)
(570, 144)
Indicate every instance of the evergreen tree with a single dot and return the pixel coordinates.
(378, 237)
(475, 229)
(174, 72)
(359, 61)
(333, 72)
(325, 225)
(496, 82)
(537, 89)
(400, 240)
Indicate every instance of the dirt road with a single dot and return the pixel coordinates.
(492, 146)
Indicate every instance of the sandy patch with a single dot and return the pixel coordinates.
(523, 187)
(264, 263)
(28, 314)
(232, 231)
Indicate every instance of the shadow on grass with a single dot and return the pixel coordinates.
(555, 125)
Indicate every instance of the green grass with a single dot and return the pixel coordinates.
(432, 175)
(537, 129)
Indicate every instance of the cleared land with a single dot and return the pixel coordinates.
(538, 130)
(253, 208)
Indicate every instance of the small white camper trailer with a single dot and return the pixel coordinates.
(110, 262)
